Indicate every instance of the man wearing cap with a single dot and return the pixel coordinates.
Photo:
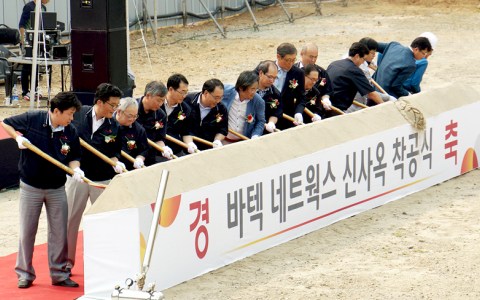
(413, 82)
(398, 64)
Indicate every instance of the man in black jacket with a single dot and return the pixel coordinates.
(132, 134)
(267, 74)
(97, 128)
(323, 84)
(291, 84)
(209, 116)
(178, 114)
(154, 120)
(42, 182)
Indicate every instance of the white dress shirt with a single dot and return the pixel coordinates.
(203, 110)
(237, 117)
(96, 123)
(281, 76)
(169, 109)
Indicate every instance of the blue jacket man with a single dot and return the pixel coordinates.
(246, 109)
(398, 64)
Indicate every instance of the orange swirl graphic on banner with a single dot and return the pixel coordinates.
(470, 161)
(143, 247)
(169, 211)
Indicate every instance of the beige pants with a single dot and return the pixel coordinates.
(77, 196)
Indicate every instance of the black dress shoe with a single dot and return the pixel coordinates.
(67, 283)
(24, 283)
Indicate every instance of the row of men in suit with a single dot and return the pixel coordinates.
(254, 105)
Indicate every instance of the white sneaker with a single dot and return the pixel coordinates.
(26, 97)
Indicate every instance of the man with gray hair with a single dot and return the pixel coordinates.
(153, 119)
(291, 84)
(132, 134)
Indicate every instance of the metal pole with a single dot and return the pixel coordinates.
(184, 9)
(149, 20)
(223, 10)
(155, 219)
(128, 32)
(285, 10)
(213, 19)
(33, 77)
(317, 8)
(255, 24)
(155, 20)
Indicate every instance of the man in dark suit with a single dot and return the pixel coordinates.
(348, 79)
(209, 116)
(309, 55)
(291, 84)
(398, 64)
(267, 73)
(178, 114)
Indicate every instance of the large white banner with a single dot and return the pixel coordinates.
(215, 225)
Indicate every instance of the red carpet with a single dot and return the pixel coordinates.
(42, 288)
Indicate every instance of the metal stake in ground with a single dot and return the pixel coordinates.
(213, 19)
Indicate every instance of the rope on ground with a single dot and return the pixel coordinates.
(411, 114)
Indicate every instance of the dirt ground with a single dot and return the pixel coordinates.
(423, 246)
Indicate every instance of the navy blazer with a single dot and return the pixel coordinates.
(256, 107)
(397, 65)
(293, 97)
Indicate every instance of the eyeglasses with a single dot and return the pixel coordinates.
(312, 79)
(218, 98)
(130, 117)
(271, 77)
(181, 93)
(290, 61)
(113, 106)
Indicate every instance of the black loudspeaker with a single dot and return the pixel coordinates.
(9, 35)
(98, 14)
(99, 56)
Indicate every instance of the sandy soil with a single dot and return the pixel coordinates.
(423, 246)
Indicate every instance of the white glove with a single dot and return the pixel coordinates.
(316, 118)
(255, 136)
(192, 147)
(217, 144)
(327, 103)
(409, 94)
(167, 152)
(78, 174)
(392, 99)
(138, 164)
(119, 167)
(20, 139)
(298, 119)
(270, 127)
